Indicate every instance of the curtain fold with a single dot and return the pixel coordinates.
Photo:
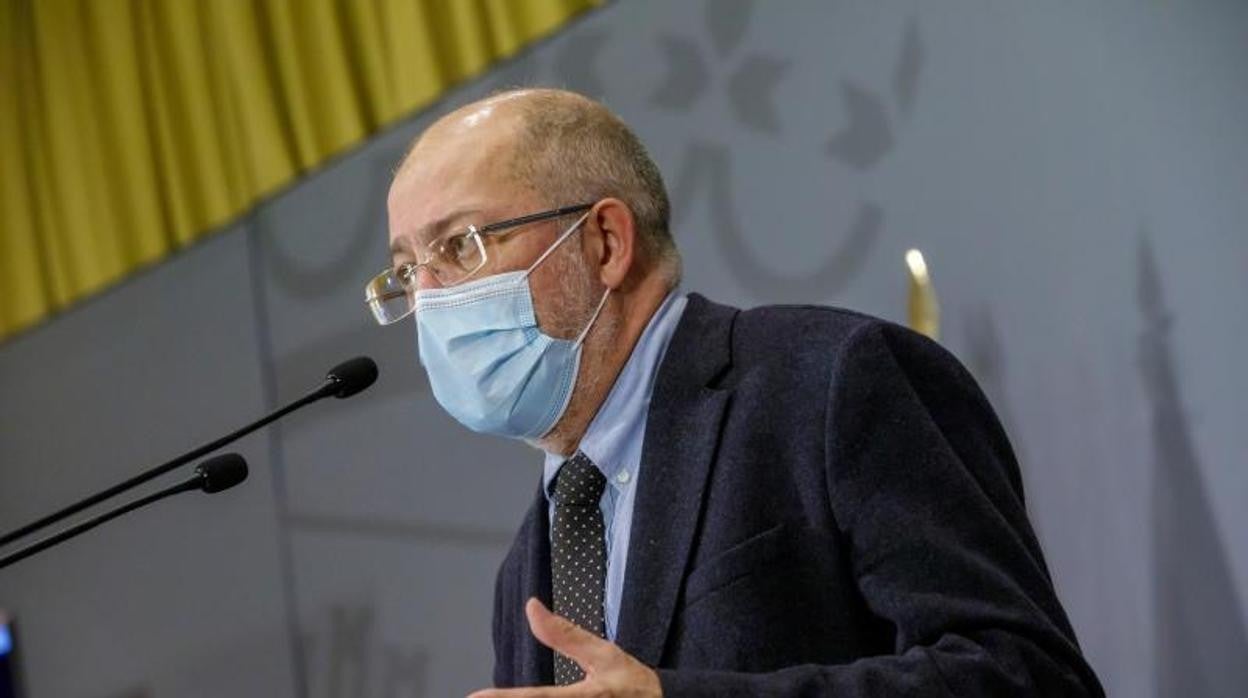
(129, 128)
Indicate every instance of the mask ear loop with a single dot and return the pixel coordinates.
(593, 318)
(566, 234)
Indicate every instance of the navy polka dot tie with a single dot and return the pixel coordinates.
(578, 554)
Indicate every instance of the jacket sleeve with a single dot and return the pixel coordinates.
(924, 486)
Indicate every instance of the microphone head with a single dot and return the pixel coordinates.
(221, 472)
(351, 376)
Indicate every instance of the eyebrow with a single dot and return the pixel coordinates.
(439, 226)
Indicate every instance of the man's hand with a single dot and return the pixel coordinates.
(609, 670)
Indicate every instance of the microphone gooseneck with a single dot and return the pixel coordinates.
(344, 380)
(213, 475)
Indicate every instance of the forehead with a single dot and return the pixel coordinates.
(445, 181)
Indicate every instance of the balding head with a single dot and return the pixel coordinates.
(565, 149)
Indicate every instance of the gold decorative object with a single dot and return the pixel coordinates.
(924, 311)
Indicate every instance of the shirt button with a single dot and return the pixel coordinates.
(623, 477)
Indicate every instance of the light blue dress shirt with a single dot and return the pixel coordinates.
(613, 443)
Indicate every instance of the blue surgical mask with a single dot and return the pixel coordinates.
(489, 364)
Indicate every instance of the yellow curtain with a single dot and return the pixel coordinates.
(129, 128)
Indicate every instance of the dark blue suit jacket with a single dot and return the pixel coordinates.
(827, 506)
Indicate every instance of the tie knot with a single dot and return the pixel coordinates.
(579, 482)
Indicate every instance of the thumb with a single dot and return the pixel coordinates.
(562, 635)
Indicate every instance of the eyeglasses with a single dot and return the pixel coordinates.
(451, 259)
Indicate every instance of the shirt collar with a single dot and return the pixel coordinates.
(613, 439)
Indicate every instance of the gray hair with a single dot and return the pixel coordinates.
(571, 149)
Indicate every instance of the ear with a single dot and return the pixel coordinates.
(613, 247)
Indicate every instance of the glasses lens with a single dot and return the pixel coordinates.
(456, 257)
(388, 300)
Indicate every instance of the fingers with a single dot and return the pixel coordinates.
(538, 692)
(564, 636)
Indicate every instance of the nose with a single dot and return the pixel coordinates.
(426, 280)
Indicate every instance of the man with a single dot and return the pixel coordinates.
(780, 501)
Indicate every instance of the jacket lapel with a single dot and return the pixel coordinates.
(537, 661)
(682, 432)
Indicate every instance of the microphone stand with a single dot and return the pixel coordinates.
(225, 470)
(344, 380)
(324, 391)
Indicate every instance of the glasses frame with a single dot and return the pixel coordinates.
(406, 275)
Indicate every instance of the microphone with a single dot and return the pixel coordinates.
(343, 381)
(214, 475)
(218, 474)
(349, 377)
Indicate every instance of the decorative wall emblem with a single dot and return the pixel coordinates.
(748, 82)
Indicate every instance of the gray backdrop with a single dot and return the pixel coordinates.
(1076, 173)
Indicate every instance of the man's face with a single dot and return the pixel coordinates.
(456, 176)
